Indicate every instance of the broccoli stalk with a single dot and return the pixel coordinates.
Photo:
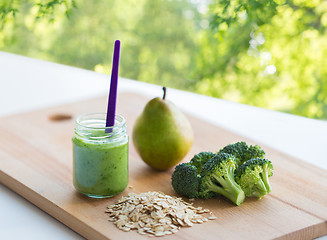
(253, 177)
(217, 177)
(266, 174)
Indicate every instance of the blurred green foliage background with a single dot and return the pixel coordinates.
(268, 53)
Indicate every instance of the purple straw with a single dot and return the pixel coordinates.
(110, 121)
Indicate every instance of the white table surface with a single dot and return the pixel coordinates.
(27, 84)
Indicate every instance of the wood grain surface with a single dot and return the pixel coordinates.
(36, 162)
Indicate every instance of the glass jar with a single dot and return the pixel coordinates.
(100, 156)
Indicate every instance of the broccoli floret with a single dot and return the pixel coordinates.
(217, 177)
(242, 152)
(185, 180)
(253, 176)
(200, 159)
(253, 151)
(237, 150)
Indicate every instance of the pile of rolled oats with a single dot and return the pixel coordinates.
(155, 213)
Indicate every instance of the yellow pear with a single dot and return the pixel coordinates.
(162, 135)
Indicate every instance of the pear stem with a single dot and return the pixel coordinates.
(164, 94)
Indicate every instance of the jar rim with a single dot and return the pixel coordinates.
(119, 120)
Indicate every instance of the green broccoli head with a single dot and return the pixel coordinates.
(237, 150)
(185, 180)
(217, 177)
(200, 159)
(253, 151)
(242, 152)
(253, 177)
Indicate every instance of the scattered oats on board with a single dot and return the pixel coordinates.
(155, 214)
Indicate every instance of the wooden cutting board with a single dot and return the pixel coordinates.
(36, 162)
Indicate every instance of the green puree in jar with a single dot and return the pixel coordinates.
(100, 168)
